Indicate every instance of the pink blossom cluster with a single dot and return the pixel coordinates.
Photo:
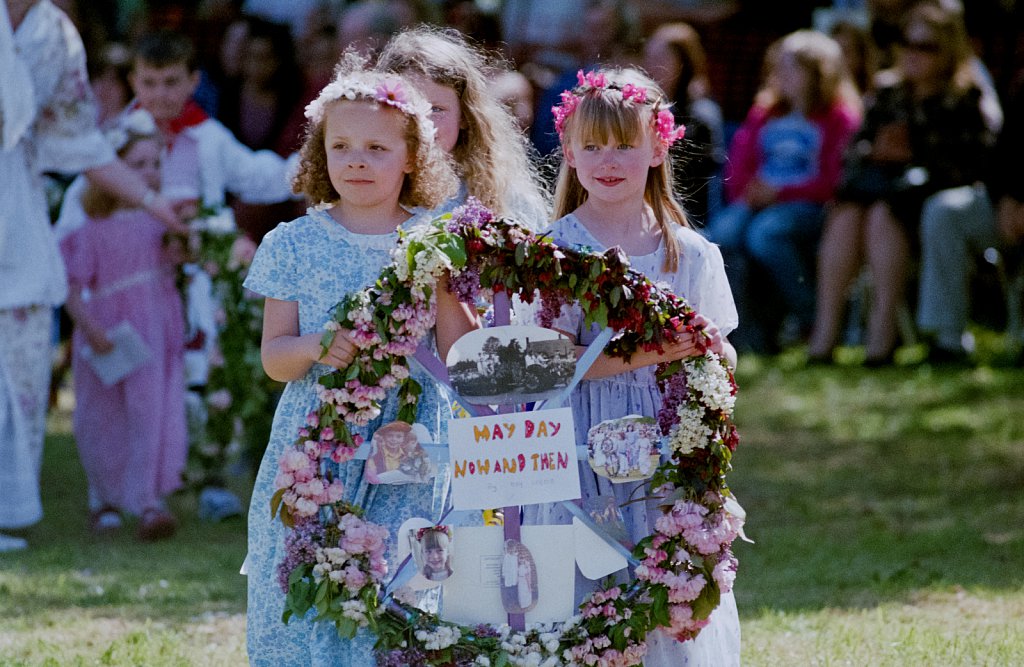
(666, 129)
(682, 625)
(602, 603)
(367, 540)
(357, 560)
(597, 652)
(612, 607)
(299, 475)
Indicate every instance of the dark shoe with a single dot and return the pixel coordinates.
(157, 524)
(820, 359)
(943, 356)
(887, 359)
(104, 521)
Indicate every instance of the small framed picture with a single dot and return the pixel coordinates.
(511, 364)
(397, 457)
(432, 550)
(519, 592)
(625, 449)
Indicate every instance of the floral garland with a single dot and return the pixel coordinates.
(239, 398)
(334, 563)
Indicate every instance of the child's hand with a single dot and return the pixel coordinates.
(162, 209)
(705, 335)
(759, 194)
(341, 352)
(714, 338)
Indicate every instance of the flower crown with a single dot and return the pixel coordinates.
(433, 529)
(664, 123)
(384, 90)
(138, 123)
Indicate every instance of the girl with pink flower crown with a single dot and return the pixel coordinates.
(615, 189)
(368, 157)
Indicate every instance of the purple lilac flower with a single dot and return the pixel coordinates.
(300, 546)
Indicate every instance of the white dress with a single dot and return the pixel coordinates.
(60, 134)
(701, 280)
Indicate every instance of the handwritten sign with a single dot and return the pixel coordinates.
(513, 459)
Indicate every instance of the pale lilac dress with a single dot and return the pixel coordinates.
(131, 435)
(701, 280)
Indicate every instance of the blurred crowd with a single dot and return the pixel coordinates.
(811, 261)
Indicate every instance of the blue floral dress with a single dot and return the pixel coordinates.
(315, 261)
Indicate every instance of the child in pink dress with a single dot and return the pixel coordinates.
(131, 434)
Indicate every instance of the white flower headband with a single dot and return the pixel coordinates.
(664, 123)
(386, 90)
(138, 123)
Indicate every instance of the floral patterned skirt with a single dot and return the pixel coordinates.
(25, 364)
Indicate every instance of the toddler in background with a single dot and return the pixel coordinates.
(130, 434)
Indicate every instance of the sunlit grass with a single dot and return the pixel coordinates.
(887, 508)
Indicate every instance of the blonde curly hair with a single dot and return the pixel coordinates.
(432, 180)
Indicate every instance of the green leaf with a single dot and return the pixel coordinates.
(455, 247)
(520, 254)
(275, 502)
(615, 295)
(322, 591)
(325, 342)
(347, 628)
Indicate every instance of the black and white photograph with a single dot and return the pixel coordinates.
(511, 364)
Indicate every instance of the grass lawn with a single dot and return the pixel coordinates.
(887, 508)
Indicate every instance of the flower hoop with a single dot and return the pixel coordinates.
(334, 560)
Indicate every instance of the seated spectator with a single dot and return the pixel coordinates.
(674, 57)
(784, 165)
(514, 91)
(957, 226)
(928, 128)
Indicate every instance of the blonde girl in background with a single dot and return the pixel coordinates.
(615, 189)
(784, 166)
(130, 434)
(490, 152)
(368, 158)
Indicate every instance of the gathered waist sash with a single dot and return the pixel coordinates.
(126, 282)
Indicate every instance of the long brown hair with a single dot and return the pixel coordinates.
(603, 114)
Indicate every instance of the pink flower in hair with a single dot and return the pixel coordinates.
(390, 92)
(665, 126)
(592, 79)
(637, 93)
(565, 109)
